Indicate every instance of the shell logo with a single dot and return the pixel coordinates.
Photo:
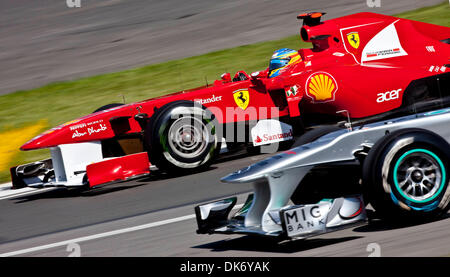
(321, 87)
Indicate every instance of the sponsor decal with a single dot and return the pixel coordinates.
(270, 131)
(430, 49)
(321, 87)
(212, 99)
(77, 134)
(437, 68)
(98, 129)
(242, 98)
(93, 127)
(78, 126)
(292, 91)
(271, 138)
(382, 53)
(307, 219)
(388, 96)
(353, 39)
(94, 122)
(386, 44)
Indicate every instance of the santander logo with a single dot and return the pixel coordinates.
(275, 137)
(268, 131)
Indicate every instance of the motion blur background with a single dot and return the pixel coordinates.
(59, 63)
(43, 41)
(138, 49)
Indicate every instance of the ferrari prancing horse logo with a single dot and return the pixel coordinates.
(353, 39)
(241, 97)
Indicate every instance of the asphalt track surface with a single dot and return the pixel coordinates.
(43, 41)
(154, 217)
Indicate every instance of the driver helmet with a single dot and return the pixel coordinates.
(281, 58)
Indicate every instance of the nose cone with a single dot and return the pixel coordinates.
(255, 171)
(43, 140)
(31, 144)
(81, 130)
(92, 127)
(236, 177)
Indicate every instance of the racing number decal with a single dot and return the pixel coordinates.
(242, 98)
(353, 39)
(321, 87)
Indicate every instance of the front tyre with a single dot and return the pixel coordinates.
(406, 173)
(182, 135)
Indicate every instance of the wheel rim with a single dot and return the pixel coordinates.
(188, 137)
(419, 175)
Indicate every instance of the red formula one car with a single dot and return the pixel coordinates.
(361, 67)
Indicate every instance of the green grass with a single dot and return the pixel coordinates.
(64, 101)
(439, 14)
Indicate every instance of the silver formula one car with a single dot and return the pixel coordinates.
(400, 166)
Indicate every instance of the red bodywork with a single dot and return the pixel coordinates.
(362, 63)
(120, 168)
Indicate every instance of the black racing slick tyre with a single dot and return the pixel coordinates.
(405, 175)
(183, 136)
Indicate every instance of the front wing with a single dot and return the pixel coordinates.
(289, 222)
(77, 165)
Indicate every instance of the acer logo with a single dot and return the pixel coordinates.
(388, 96)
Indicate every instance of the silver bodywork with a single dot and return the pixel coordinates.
(276, 178)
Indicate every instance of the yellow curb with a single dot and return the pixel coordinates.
(10, 142)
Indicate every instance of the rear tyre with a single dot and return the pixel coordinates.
(406, 175)
(182, 135)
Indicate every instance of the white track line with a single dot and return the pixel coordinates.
(7, 192)
(103, 235)
(5, 186)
